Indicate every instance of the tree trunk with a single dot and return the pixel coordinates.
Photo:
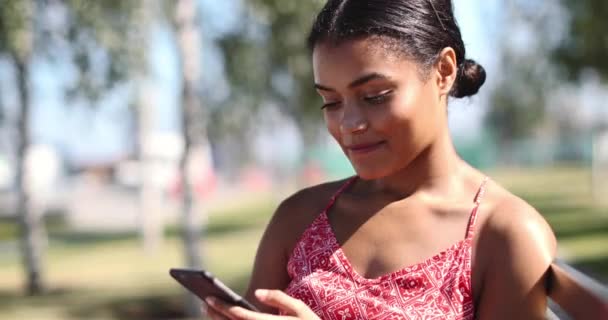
(30, 225)
(599, 165)
(150, 193)
(1, 108)
(193, 128)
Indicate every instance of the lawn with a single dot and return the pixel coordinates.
(110, 277)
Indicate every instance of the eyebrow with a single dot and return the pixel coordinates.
(360, 81)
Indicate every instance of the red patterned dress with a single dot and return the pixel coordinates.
(437, 288)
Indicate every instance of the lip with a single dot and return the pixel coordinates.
(364, 148)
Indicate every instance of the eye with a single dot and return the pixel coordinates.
(330, 105)
(380, 98)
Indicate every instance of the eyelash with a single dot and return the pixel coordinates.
(329, 105)
(375, 100)
(379, 99)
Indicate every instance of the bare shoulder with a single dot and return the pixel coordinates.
(514, 224)
(297, 212)
(289, 221)
(514, 250)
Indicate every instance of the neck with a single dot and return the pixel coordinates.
(434, 171)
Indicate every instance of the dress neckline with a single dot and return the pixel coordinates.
(337, 249)
(464, 243)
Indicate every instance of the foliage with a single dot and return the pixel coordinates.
(267, 60)
(518, 100)
(15, 20)
(110, 29)
(103, 38)
(570, 33)
(585, 44)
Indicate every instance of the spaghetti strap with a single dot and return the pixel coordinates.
(477, 201)
(347, 184)
(322, 275)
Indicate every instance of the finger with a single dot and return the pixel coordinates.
(280, 300)
(233, 312)
(218, 309)
(212, 313)
(239, 313)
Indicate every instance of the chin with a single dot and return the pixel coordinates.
(371, 173)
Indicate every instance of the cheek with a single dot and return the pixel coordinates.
(399, 117)
(407, 122)
(332, 123)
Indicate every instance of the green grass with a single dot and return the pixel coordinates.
(108, 276)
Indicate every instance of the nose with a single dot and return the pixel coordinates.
(353, 120)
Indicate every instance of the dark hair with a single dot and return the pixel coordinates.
(419, 28)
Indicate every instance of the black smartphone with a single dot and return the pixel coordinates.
(203, 284)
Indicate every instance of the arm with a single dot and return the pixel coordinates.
(290, 220)
(579, 296)
(270, 265)
(519, 247)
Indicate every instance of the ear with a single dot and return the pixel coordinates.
(447, 70)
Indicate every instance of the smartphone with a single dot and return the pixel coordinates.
(203, 284)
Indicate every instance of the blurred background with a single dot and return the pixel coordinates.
(140, 135)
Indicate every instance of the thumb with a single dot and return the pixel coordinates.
(282, 301)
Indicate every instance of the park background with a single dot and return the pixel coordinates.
(141, 135)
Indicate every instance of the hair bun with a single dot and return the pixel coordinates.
(471, 77)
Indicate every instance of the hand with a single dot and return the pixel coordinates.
(294, 308)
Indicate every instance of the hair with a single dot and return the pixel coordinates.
(419, 28)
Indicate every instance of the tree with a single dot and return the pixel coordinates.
(23, 37)
(142, 108)
(518, 100)
(188, 38)
(516, 109)
(583, 50)
(2, 115)
(124, 42)
(584, 45)
(267, 62)
(109, 29)
(16, 40)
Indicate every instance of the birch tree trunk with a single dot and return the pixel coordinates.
(31, 232)
(599, 165)
(188, 36)
(150, 193)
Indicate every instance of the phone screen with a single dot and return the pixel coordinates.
(203, 284)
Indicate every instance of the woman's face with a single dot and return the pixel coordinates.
(376, 105)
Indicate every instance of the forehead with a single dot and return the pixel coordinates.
(333, 62)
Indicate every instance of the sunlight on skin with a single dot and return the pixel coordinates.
(230, 254)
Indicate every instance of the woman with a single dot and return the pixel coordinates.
(417, 233)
